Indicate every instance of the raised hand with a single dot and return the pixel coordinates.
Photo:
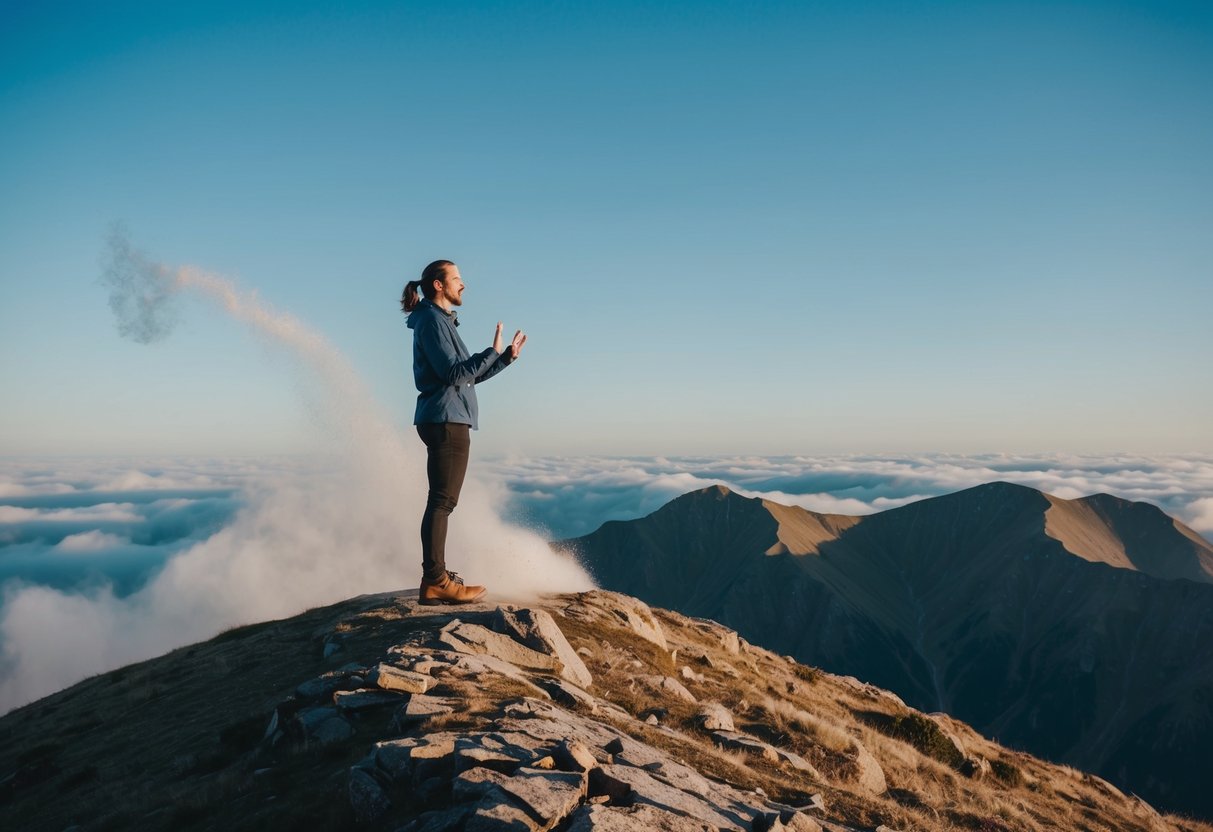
(516, 344)
(497, 339)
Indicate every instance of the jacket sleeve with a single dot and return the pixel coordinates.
(503, 361)
(438, 347)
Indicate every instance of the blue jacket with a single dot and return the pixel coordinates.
(444, 371)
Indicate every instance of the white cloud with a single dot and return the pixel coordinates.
(1200, 515)
(100, 513)
(91, 541)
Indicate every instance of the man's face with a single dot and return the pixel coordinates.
(452, 286)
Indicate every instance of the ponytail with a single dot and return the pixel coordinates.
(409, 300)
(434, 271)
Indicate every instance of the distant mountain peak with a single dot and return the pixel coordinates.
(1044, 621)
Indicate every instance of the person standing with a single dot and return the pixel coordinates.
(446, 375)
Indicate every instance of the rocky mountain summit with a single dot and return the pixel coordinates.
(1079, 630)
(574, 713)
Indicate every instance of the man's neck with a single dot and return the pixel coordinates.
(443, 304)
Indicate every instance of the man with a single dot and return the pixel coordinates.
(446, 376)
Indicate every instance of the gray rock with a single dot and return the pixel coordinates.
(548, 796)
(539, 631)
(690, 675)
(401, 759)
(871, 777)
(666, 686)
(365, 698)
(322, 725)
(323, 686)
(788, 820)
(752, 745)
(569, 695)
(797, 762)
(737, 741)
(573, 755)
(367, 797)
(642, 818)
(503, 751)
(545, 797)
(475, 783)
(390, 677)
(631, 612)
(472, 638)
(716, 717)
(420, 708)
(474, 666)
(492, 814)
(650, 790)
(731, 642)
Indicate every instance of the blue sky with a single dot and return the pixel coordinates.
(770, 228)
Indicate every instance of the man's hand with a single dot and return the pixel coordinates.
(497, 339)
(516, 344)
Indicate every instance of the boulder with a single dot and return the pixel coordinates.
(367, 797)
(364, 698)
(475, 666)
(716, 717)
(642, 818)
(322, 725)
(736, 741)
(666, 686)
(500, 751)
(421, 708)
(786, 820)
(622, 609)
(538, 630)
(573, 755)
(323, 686)
(690, 675)
(497, 814)
(545, 796)
(390, 677)
(647, 789)
(870, 777)
(413, 759)
(472, 638)
(569, 695)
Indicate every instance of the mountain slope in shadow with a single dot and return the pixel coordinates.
(1081, 630)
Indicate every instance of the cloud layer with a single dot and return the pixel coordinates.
(569, 497)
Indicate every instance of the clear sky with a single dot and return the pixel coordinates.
(727, 227)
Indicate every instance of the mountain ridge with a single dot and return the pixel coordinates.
(1077, 629)
(586, 712)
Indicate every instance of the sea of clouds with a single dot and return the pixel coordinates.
(108, 561)
(570, 497)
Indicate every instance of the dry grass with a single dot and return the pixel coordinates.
(822, 732)
(171, 743)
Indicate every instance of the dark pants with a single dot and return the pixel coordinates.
(447, 445)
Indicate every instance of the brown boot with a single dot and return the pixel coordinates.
(450, 590)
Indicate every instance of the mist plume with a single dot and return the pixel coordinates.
(300, 541)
